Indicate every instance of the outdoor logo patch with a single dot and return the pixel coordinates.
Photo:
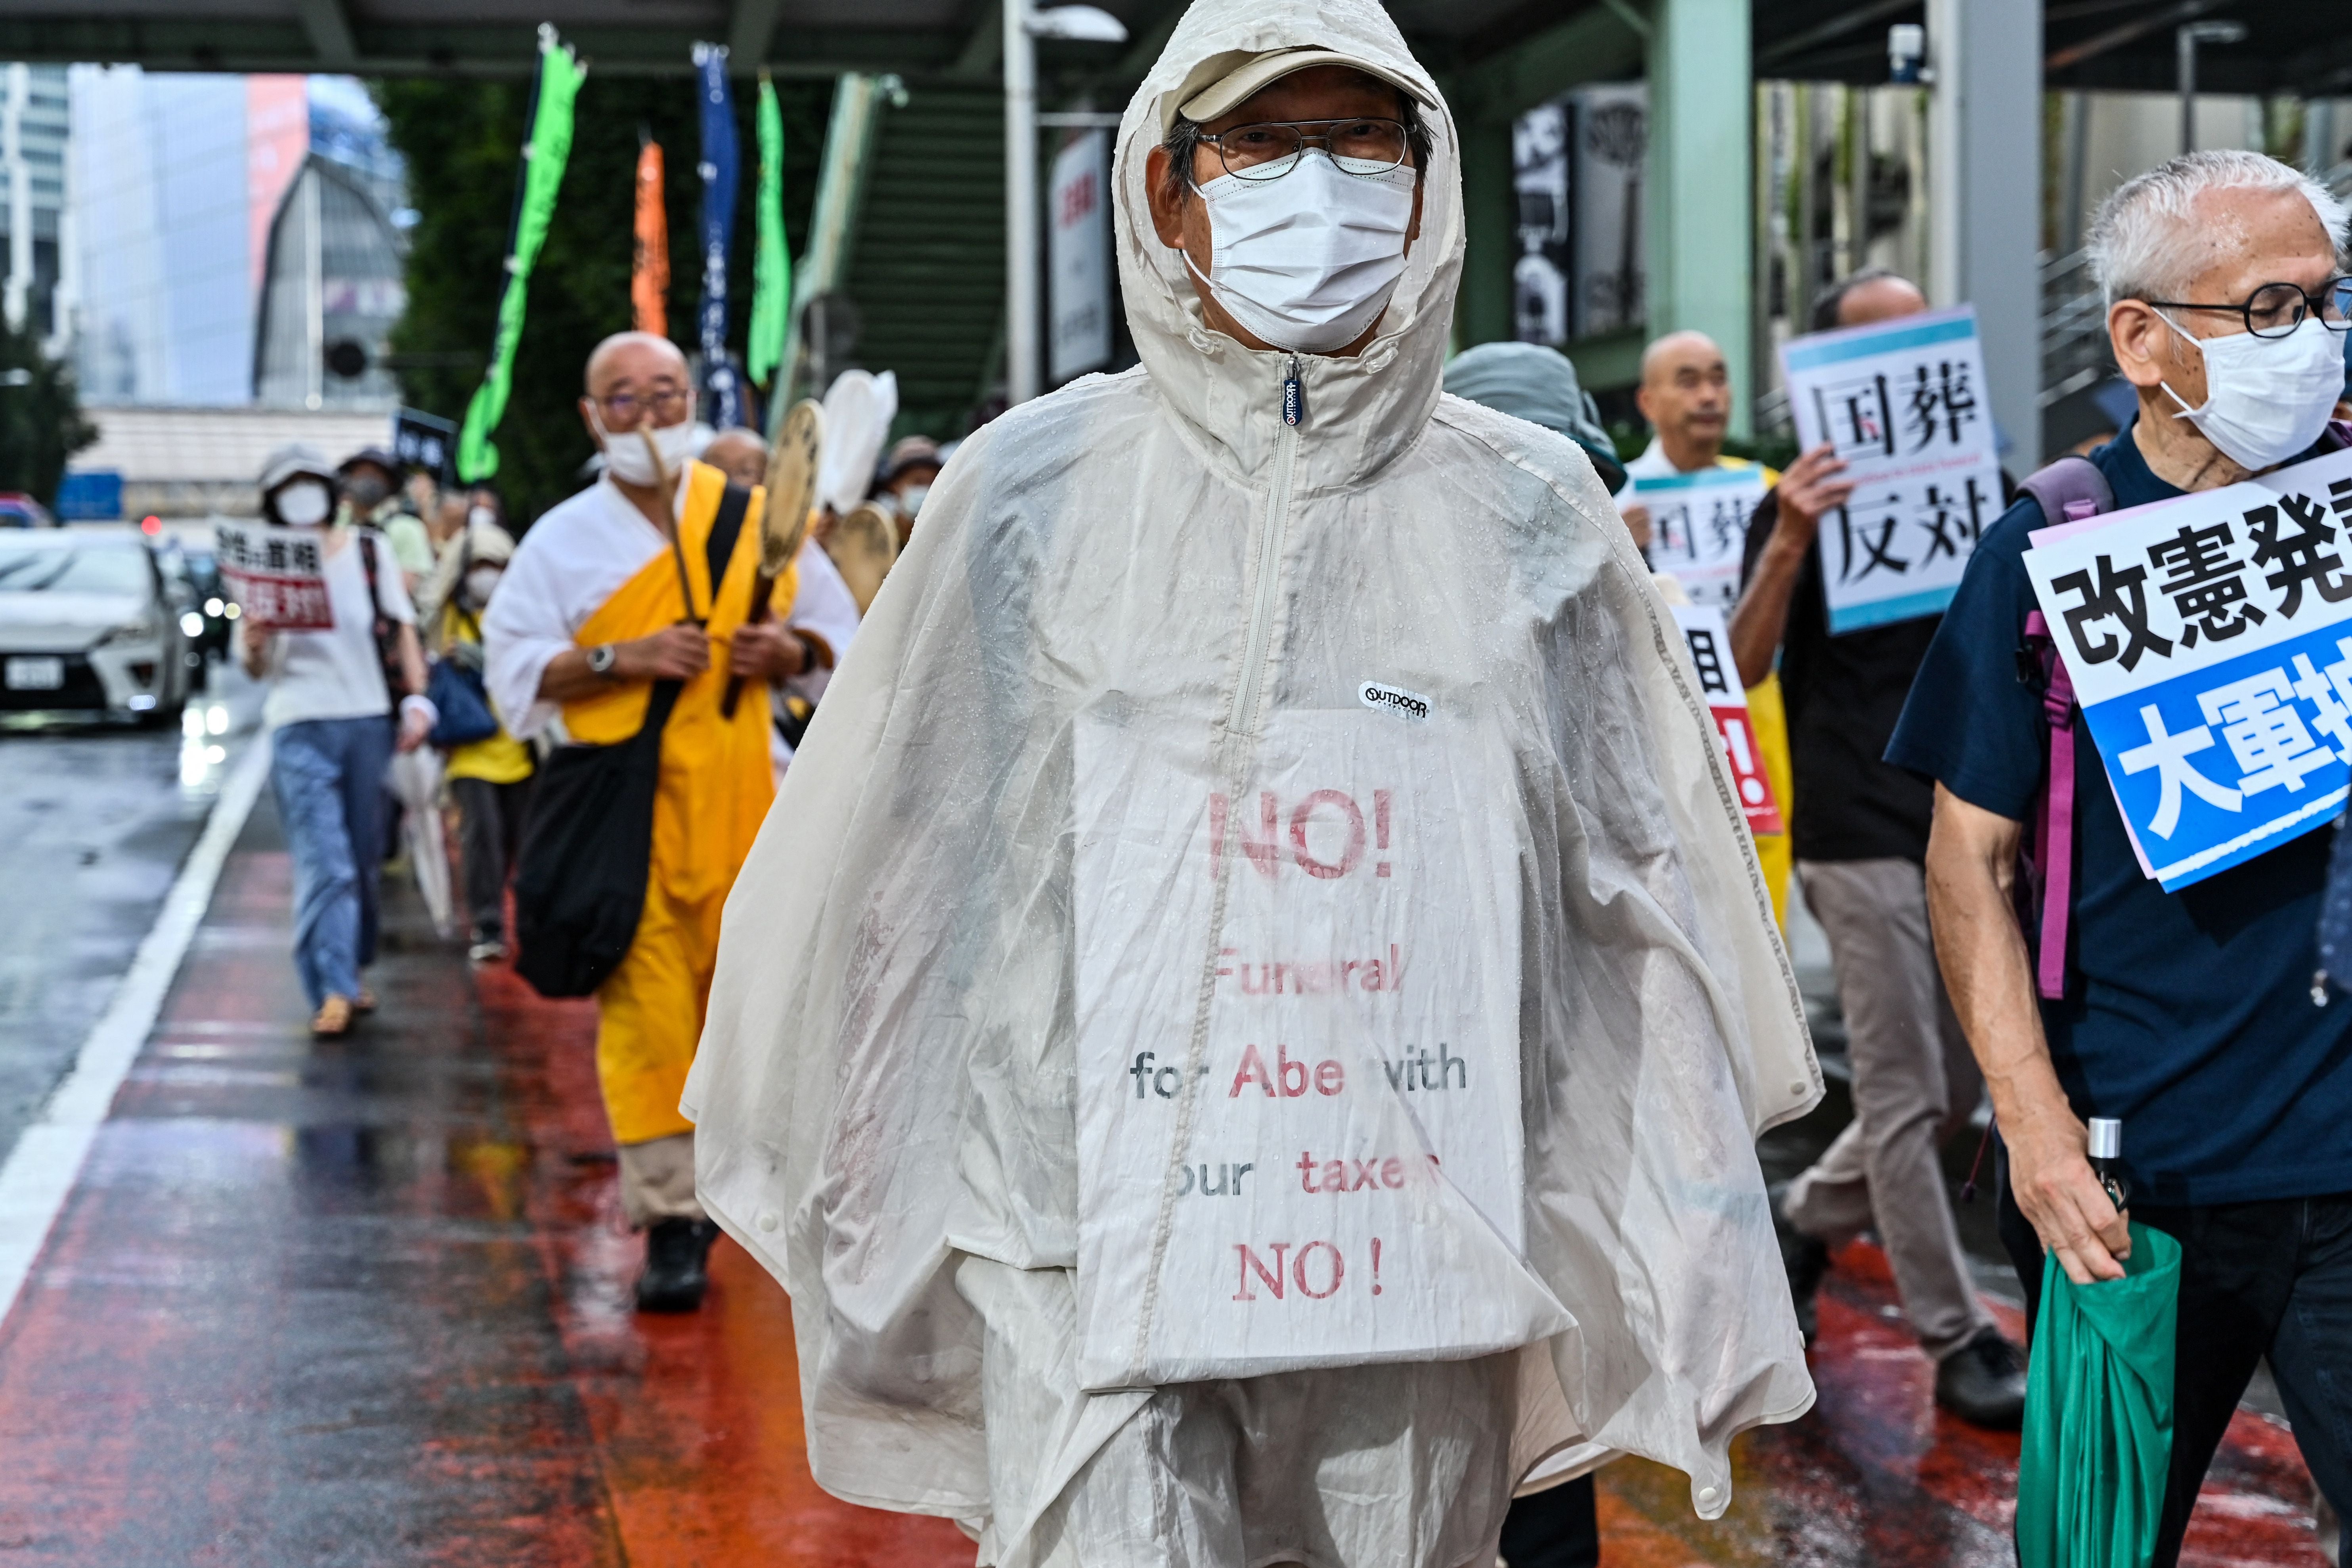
(1393, 700)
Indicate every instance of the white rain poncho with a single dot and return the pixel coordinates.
(1244, 1030)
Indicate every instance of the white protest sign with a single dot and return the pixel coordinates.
(1903, 402)
(1077, 258)
(1698, 527)
(1709, 641)
(2210, 643)
(1297, 1014)
(275, 574)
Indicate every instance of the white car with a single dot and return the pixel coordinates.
(88, 622)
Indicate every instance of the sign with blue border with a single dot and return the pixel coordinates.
(1698, 527)
(1903, 403)
(2210, 642)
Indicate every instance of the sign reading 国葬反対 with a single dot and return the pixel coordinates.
(1698, 527)
(1903, 403)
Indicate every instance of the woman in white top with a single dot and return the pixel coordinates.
(331, 709)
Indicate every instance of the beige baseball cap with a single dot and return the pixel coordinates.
(1220, 83)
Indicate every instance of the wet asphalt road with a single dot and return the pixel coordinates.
(95, 819)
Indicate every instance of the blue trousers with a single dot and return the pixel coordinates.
(328, 775)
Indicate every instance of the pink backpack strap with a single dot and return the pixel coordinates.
(2054, 836)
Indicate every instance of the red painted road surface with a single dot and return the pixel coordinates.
(367, 1302)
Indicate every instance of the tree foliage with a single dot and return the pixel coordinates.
(40, 417)
(462, 141)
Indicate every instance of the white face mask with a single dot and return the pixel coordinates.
(624, 455)
(2267, 399)
(304, 503)
(481, 517)
(1307, 261)
(480, 583)
(910, 500)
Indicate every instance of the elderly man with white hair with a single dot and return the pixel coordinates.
(2187, 1016)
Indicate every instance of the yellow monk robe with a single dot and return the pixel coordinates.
(1769, 720)
(716, 784)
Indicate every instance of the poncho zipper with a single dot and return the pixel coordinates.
(1269, 553)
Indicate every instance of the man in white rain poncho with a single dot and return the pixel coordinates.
(1244, 1031)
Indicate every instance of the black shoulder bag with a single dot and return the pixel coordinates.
(587, 851)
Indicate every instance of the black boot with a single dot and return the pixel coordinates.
(677, 1253)
(1806, 1261)
(1983, 1383)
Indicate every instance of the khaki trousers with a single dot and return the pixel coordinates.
(657, 1180)
(1915, 1085)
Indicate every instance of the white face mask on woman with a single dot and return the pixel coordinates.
(481, 516)
(304, 503)
(625, 457)
(2267, 399)
(1307, 261)
(480, 583)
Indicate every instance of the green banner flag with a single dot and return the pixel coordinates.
(772, 266)
(544, 157)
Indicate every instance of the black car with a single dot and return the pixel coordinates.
(213, 603)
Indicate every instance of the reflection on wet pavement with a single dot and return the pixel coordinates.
(95, 818)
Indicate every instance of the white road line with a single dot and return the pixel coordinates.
(47, 1160)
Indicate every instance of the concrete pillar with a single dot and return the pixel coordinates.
(1699, 203)
(1984, 188)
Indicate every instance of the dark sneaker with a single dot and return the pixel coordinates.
(1983, 1383)
(676, 1271)
(1806, 1261)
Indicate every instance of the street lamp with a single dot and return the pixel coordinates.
(2185, 42)
(1022, 28)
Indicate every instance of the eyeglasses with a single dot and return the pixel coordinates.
(623, 409)
(1271, 150)
(2274, 309)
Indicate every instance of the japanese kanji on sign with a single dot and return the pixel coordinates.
(1698, 527)
(275, 575)
(1709, 642)
(1903, 402)
(2209, 639)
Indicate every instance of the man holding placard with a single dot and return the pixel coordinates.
(1846, 654)
(1688, 508)
(2186, 818)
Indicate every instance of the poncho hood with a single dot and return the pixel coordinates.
(1172, 717)
(1368, 407)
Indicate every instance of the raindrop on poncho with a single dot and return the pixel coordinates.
(1244, 1028)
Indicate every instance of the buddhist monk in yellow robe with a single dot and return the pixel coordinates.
(602, 601)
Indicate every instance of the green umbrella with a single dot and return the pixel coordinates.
(2098, 1413)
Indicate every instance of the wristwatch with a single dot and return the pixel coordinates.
(599, 659)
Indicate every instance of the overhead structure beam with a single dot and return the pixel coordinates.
(752, 30)
(330, 32)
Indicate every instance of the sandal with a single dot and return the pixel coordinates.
(333, 1018)
(365, 1002)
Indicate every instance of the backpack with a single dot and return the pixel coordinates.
(2070, 490)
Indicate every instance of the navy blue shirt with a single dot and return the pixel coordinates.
(2187, 1016)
